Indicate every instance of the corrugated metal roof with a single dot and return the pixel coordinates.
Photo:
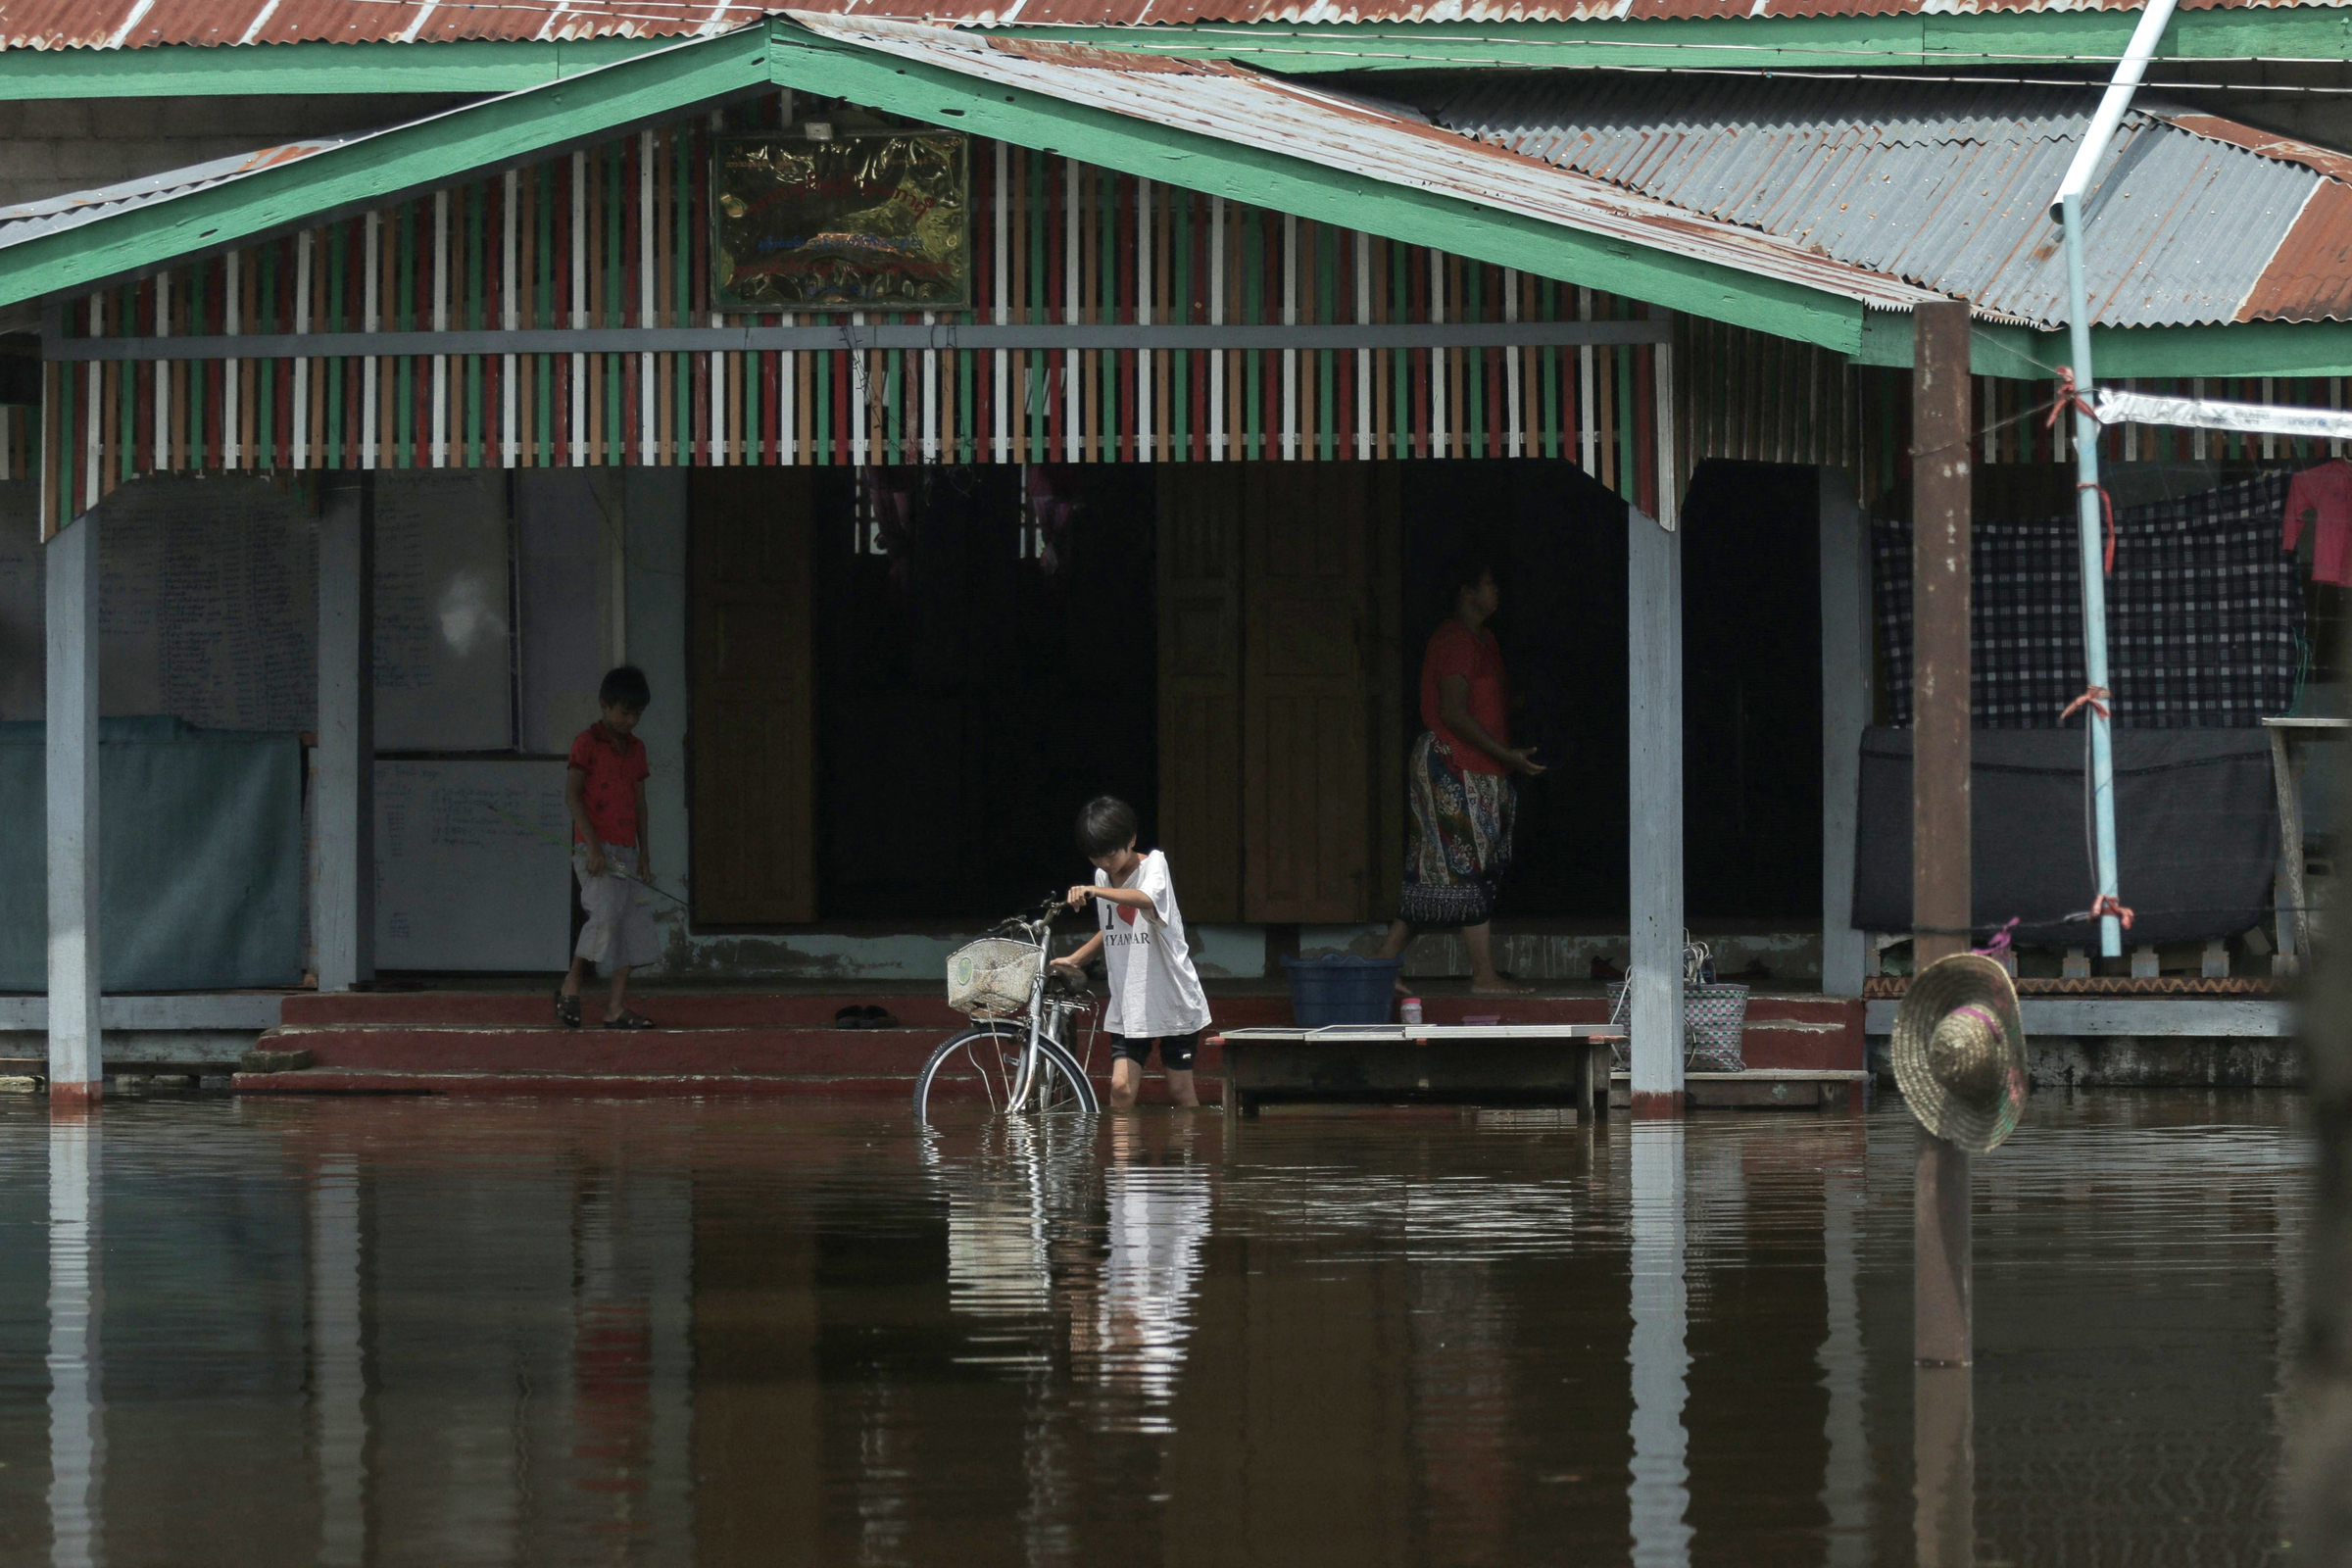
(54, 214)
(138, 23)
(1949, 186)
(1393, 146)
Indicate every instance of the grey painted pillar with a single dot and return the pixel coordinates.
(1654, 729)
(76, 1059)
(1845, 703)
(343, 802)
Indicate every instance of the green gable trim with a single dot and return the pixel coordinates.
(193, 71)
(1998, 39)
(496, 134)
(937, 96)
(2239, 348)
(2013, 40)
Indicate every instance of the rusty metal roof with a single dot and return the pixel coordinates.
(139, 23)
(2193, 220)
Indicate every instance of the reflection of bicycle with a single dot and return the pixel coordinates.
(1018, 1056)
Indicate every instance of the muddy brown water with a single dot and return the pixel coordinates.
(441, 1332)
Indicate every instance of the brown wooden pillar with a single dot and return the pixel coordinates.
(1942, 893)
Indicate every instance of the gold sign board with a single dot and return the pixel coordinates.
(864, 222)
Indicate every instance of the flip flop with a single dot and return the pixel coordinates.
(567, 1009)
(629, 1020)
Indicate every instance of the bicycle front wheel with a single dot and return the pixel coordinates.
(974, 1075)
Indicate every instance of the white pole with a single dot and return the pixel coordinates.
(76, 1055)
(2066, 210)
(1655, 777)
(343, 808)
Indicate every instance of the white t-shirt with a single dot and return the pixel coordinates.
(1155, 991)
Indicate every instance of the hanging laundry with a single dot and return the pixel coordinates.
(2323, 497)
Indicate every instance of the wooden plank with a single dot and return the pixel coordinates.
(1307, 810)
(753, 708)
(1199, 526)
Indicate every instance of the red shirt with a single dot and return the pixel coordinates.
(1455, 650)
(613, 765)
(2325, 495)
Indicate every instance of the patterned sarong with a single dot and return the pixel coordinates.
(1459, 846)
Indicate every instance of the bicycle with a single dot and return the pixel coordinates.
(1016, 1057)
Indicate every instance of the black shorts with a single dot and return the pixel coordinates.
(1175, 1050)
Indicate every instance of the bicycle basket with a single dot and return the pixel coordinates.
(992, 976)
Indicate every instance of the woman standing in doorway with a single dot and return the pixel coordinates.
(1461, 783)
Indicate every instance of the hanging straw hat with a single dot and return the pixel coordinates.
(1960, 1051)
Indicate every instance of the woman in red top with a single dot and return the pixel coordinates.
(1460, 783)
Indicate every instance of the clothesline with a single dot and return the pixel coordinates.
(2206, 413)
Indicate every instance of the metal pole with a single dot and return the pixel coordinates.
(2094, 587)
(2066, 211)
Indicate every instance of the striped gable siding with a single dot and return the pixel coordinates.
(616, 237)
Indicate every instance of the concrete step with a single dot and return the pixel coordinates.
(374, 1081)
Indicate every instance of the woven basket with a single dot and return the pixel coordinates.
(991, 977)
(1713, 1016)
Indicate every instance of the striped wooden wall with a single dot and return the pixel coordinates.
(616, 237)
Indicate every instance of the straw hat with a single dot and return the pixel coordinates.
(1960, 1051)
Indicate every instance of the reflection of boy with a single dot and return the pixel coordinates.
(1156, 994)
(605, 789)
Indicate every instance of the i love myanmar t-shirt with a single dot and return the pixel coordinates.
(1155, 991)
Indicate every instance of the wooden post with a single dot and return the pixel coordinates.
(1943, 1441)
(1655, 728)
(76, 1069)
(1941, 889)
(1844, 551)
(343, 767)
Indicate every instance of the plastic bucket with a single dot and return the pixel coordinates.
(1342, 988)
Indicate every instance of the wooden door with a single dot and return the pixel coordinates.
(1318, 643)
(753, 710)
(1200, 512)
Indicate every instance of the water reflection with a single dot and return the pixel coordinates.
(1660, 1494)
(395, 1333)
(76, 1429)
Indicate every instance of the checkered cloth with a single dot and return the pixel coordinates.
(2204, 615)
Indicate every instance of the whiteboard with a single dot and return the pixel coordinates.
(444, 668)
(472, 866)
(207, 602)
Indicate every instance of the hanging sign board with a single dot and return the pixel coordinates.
(876, 222)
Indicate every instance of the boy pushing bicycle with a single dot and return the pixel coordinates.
(1156, 994)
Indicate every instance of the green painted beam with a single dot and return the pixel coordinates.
(191, 71)
(2237, 348)
(801, 60)
(431, 153)
(1996, 39)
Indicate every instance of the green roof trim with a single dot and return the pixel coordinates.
(192, 71)
(2234, 348)
(1858, 43)
(373, 170)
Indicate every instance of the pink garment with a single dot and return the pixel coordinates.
(2325, 494)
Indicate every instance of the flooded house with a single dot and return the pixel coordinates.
(958, 421)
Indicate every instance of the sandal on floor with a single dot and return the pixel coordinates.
(629, 1020)
(877, 1019)
(567, 1009)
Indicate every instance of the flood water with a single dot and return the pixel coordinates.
(441, 1332)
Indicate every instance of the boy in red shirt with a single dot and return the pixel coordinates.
(605, 790)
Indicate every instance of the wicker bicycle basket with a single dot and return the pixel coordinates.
(992, 976)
